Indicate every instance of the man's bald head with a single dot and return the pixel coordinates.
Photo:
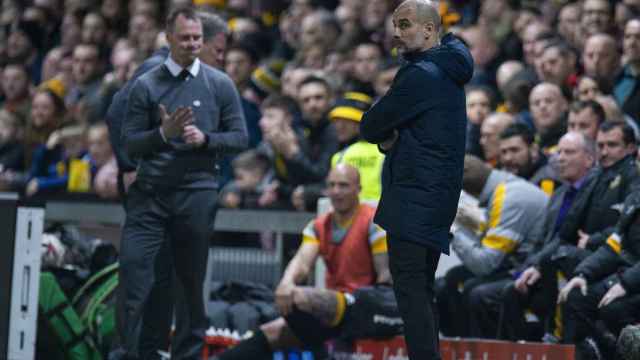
(507, 71)
(547, 105)
(346, 171)
(416, 26)
(490, 132)
(426, 11)
(343, 188)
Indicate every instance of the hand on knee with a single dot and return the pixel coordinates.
(278, 334)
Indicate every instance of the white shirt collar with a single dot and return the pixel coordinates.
(176, 69)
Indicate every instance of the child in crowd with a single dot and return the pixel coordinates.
(105, 182)
(252, 176)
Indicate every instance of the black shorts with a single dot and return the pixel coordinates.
(371, 312)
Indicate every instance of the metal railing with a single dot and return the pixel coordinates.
(286, 222)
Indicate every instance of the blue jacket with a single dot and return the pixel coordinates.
(422, 174)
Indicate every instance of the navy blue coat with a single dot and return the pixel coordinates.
(422, 173)
(118, 110)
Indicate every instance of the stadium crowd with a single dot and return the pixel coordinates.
(553, 110)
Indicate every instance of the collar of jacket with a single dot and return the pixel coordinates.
(415, 56)
(495, 178)
(618, 166)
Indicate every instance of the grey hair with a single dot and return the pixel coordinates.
(426, 11)
(586, 143)
(212, 25)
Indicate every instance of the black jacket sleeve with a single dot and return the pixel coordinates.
(114, 119)
(621, 245)
(544, 254)
(409, 95)
(630, 279)
(599, 265)
(630, 180)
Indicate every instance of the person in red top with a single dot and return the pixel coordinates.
(354, 250)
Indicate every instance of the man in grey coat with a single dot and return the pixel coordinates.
(181, 117)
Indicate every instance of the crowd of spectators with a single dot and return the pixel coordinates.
(307, 70)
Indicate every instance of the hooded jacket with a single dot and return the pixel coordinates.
(422, 173)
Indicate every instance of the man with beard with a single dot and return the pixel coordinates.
(315, 97)
(535, 286)
(520, 155)
(420, 122)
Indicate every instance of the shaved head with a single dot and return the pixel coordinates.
(416, 26)
(347, 172)
(343, 188)
(426, 11)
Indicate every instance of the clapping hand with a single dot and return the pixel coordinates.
(193, 136)
(174, 124)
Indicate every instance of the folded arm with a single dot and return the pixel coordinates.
(410, 94)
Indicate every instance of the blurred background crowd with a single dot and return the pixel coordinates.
(551, 65)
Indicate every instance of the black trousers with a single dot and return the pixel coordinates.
(161, 221)
(540, 299)
(484, 308)
(582, 314)
(413, 267)
(453, 295)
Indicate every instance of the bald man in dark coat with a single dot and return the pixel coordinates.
(420, 123)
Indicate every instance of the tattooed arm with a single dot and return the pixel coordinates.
(321, 303)
(381, 265)
(297, 271)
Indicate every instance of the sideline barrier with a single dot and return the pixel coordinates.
(108, 213)
(462, 349)
(450, 349)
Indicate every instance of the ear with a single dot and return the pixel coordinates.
(429, 29)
